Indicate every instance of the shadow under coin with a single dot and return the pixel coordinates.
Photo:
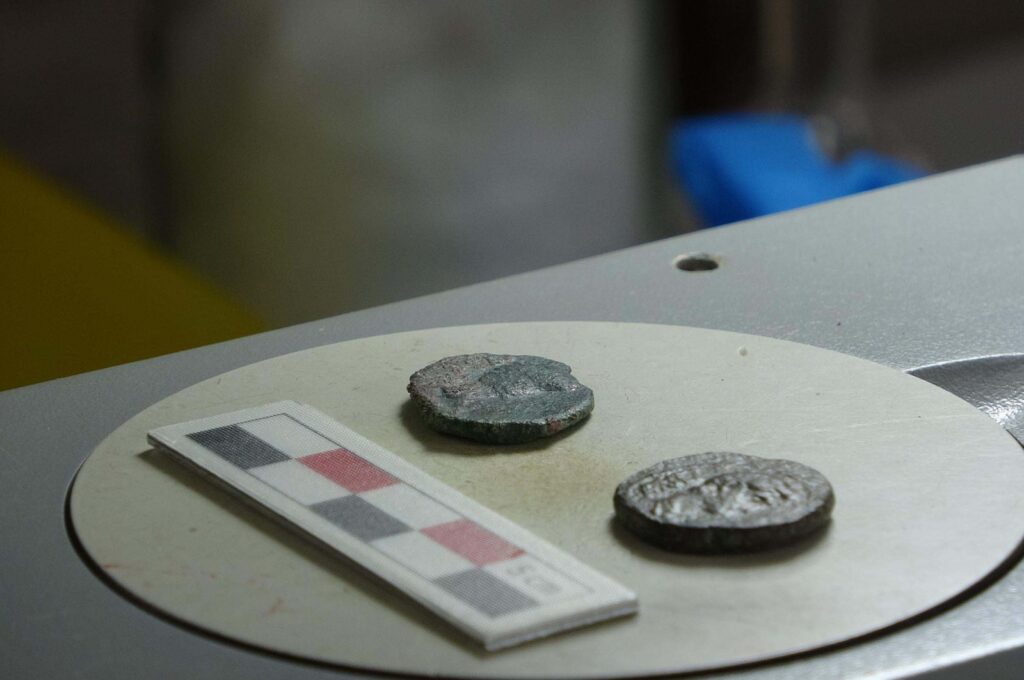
(308, 548)
(636, 546)
(437, 442)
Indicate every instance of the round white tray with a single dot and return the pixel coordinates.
(928, 502)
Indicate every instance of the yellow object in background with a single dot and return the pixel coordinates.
(78, 292)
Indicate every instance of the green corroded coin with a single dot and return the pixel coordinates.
(500, 398)
(724, 503)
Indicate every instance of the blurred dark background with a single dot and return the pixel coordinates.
(285, 161)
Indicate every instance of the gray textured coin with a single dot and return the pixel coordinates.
(724, 503)
(500, 398)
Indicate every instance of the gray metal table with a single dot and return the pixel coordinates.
(907, 276)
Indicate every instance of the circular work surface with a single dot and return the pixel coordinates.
(927, 488)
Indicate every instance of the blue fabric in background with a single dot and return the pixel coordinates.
(734, 167)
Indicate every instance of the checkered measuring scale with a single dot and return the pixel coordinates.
(483, 574)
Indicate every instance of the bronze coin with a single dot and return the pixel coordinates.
(724, 503)
(500, 398)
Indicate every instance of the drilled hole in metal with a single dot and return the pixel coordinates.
(696, 262)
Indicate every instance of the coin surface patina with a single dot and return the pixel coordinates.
(724, 503)
(500, 398)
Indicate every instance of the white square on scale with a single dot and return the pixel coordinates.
(409, 505)
(423, 555)
(536, 579)
(297, 481)
(288, 436)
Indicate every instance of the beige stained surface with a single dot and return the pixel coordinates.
(927, 501)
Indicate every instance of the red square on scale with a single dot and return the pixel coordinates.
(472, 541)
(348, 470)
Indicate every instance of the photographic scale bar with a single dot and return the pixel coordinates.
(480, 572)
